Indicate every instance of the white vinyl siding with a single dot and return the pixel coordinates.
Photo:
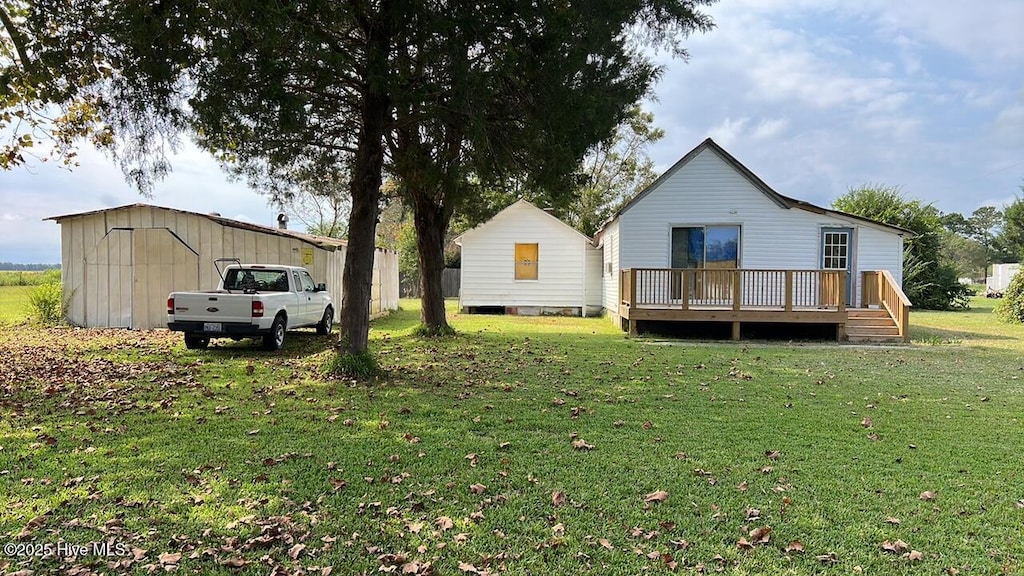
(564, 278)
(876, 250)
(709, 191)
(611, 269)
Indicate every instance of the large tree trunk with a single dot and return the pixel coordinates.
(431, 225)
(357, 278)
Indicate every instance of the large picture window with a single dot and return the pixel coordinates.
(706, 247)
(526, 261)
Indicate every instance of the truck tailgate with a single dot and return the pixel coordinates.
(212, 307)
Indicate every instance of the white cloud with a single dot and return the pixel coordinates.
(769, 128)
(726, 133)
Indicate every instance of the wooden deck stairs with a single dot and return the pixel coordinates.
(871, 325)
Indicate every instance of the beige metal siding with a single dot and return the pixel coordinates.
(162, 264)
(120, 264)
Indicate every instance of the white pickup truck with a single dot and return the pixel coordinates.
(252, 301)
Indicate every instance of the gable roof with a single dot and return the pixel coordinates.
(784, 202)
(520, 202)
(323, 242)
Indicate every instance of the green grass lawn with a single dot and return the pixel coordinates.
(518, 446)
(14, 303)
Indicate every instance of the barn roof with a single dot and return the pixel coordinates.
(322, 242)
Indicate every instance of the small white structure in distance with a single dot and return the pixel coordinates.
(1001, 275)
(525, 261)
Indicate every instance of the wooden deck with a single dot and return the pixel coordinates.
(738, 296)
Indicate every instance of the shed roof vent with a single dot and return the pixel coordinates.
(282, 221)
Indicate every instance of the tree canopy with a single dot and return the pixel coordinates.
(448, 97)
(929, 284)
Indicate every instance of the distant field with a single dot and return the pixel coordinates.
(28, 278)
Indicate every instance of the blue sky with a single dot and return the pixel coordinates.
(814, 96)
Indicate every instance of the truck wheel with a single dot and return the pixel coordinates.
(193, 342)
(326, 323)
(275, 340)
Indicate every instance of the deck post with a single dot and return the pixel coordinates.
(684, 296)
(789, 291)
(632, 290)
(735, 330)
(737, 294)
(633, 331)
(842, 291)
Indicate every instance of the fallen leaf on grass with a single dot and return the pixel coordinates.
(557, 498)
(170, 557)
(915, 556)
(417, 568)
(866, 422)
(658, 496)
(897, 547)
(294, 551)
(795, 546)
(235, 562)
(472, 457)
(927, 496)
(468, 568)
(772, 454)
(558, 529)
(761, 535)
(581, 444)
(830, 558)
(892, 520)
(744, 544)
(444, 523)
(477, 488)
(605, 544)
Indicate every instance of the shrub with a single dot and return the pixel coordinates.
(1011, 308)
(48, 305)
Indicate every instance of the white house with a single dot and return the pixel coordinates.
(525, 261)
(709, 212)
(119, 264)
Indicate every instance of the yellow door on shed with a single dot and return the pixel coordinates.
(526, 261)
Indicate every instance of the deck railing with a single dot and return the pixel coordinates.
(880, 289)
(685, 288)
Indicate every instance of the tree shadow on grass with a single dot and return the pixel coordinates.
(297, 344)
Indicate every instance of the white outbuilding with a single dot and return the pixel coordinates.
(526, 261)
(119, 264)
